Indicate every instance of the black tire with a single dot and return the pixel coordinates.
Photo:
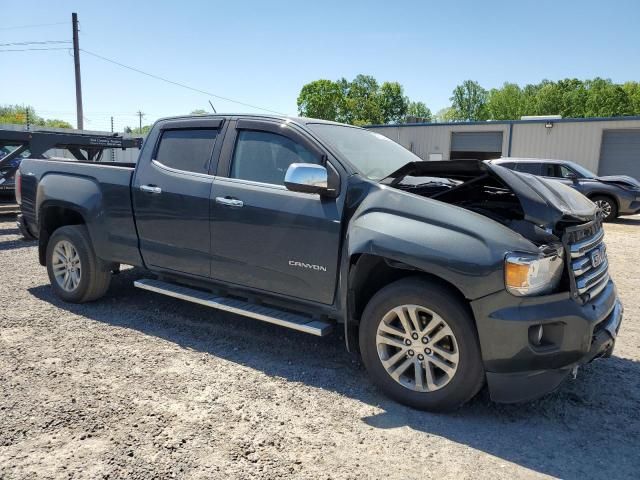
(613, 207)
(469, 376)
(94, 279)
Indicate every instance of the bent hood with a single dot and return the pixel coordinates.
(544, 202)
(620, 179)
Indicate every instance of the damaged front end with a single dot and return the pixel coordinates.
(560, 221)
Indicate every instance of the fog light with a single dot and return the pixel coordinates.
(535, 335)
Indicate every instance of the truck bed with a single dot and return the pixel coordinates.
(102, 190)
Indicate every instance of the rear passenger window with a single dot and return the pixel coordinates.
(549, 170)
(533, 168)
(187, 149)
(265, 157)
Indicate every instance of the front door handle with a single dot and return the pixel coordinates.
(229, 202)
(150, 189)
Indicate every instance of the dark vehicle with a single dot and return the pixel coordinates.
(446, 275)
(7, 180)
(615, 195)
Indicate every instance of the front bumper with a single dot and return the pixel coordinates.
(628, 203)
(517, 370)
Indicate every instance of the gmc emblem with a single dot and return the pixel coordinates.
(597, 258)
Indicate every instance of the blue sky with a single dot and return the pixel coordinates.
(262, 53)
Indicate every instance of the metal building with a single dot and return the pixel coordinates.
(607, 146)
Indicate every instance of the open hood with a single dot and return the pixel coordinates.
(544, 202)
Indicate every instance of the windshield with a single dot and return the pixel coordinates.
(373, 155)
(582, 171)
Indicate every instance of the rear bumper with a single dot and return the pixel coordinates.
(21, 223)
(516, 369)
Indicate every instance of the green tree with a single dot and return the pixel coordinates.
(362, 101)
(469, 101)
(418, 110)
(606, 99)
(506, 103)
(548, 99)
(393, 103)
(18, 114)
(447, 114)
(323, 99)
(138, 131)
(632, 89)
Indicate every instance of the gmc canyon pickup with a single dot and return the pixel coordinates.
(444, 275)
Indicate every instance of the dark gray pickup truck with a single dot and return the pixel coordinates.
(444, 275)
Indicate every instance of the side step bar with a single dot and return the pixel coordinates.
(239, 307)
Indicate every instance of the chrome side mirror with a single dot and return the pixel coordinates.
(306, 178)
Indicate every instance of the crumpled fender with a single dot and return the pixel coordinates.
(464, 248)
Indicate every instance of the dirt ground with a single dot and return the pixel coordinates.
(137, 385)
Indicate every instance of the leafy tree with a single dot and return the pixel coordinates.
(469, 101)
(393, 103)
(361, 101)
(447, 114)
(18, 114)
(632, 89)
(322, 99)
(606, 99)
(418, 110)
(138, 131)
(505, 103)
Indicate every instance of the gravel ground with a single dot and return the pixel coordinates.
(137, 385)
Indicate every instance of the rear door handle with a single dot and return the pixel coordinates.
(150, 189)
(229, 202)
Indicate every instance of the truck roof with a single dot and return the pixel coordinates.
(299, 120)
(526, 160)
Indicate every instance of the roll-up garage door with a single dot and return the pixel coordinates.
(620, 153)
(478, 145)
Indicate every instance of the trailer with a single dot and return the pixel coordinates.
(18, 144)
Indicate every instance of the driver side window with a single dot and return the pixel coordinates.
(566, 172)
(265, 157)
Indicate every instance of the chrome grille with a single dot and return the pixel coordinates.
(588, 263)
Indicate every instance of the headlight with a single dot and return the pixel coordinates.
(526, 274)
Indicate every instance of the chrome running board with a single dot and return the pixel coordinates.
(259, 312)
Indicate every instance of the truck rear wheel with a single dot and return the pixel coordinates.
(419, 344)
(74, 270)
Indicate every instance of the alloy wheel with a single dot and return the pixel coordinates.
(66, 265)
(605, 206)
(417, 348)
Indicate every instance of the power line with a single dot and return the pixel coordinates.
(157, 77)
(32, 49)
(44, 42)
(34, 25)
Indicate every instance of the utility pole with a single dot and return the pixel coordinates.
(140, 115)
(76, 62)
(113, 153)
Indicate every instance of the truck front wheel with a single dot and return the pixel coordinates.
(419, 344)
(74, 270)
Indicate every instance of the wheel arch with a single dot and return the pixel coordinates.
(609, 195)
(368, 274)
(53, 215)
